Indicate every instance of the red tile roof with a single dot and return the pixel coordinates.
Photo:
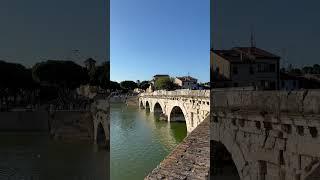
(247, 53)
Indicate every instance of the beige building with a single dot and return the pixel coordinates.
(243, 67)
(186, 82)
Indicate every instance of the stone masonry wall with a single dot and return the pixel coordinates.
(271, 134)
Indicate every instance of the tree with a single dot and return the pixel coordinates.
(316, 69)
(128, 85)
(102, 75)
(307, 70)
(144, 85)
(60, 73)
(165, 83)
(115, 85)
(15, 79)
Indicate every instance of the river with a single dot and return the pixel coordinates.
(139, 141)
(33, 156)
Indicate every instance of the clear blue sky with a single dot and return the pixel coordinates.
(289, 28)
(33, 30)
(151, 37)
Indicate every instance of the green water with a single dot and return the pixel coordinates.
(139, 141)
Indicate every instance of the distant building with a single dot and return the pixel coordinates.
(155, 77)
(243, 67)
(186, 82)
(289, 81)
(138, 90)
(203, 86)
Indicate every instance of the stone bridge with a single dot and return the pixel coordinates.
(86, 118)
(267, 134)
(191, 106)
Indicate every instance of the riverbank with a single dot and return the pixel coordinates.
(129, 100)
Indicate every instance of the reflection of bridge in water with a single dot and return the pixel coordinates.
(69, 117)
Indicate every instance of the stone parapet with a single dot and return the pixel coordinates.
(303, 101)
(183, 92)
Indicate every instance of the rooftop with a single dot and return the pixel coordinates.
(187, 78)
(161, 75)
(245, 54)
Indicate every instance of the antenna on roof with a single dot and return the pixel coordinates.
(252, 38)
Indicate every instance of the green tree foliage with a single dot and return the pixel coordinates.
(60, 73)
(101, 76)
(128, 85)
(14, 75)
(165, 83)
(144, 85)
(315, 69)
(115, 85)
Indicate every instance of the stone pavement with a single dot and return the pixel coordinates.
(189, 160)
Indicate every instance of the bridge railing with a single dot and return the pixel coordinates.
(184, 92)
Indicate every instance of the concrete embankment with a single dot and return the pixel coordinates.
(189, 160)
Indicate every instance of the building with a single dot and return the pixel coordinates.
(289, 81)
(186, 82)
(157, 76)
(243, 67)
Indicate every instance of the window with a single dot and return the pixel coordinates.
(217, 70)
(251, 69)
(273, 85)
(259, 67)
(272, 68)
(235, 69)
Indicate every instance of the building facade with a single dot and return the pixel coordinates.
(243, 67)
(186, 82)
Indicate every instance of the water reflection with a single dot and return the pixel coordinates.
(140, 141)
(35, 156)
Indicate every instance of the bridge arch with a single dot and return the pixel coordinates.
(141, 105)
(177, 114)
(158, 108)
(222, 163)
(148, 107)
(226, 138)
